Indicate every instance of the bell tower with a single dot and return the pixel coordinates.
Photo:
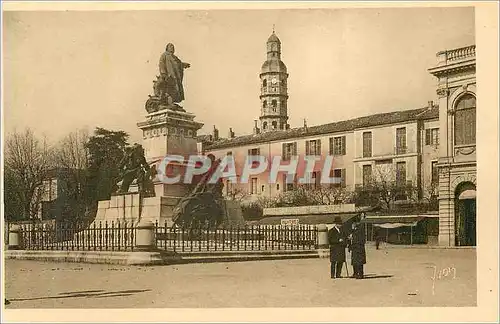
(273, 89)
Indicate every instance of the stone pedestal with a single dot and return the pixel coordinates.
(234, 215)
(170, 132)
(159, 209)
(120, 208)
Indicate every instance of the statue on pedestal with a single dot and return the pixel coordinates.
(168, 89)
(134, 167)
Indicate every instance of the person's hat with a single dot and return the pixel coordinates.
(337, 220)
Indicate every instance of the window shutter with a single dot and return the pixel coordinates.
(283, 151)
(295, 149)
(307, 148)
(427, 137)
(319, 148)
(343, 145)
(331, 145)
(343, 177)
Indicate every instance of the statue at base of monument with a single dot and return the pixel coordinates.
(204, 205)
(134, 167)
(168, 88)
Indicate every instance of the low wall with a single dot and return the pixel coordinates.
(309, 210)
(157, 258)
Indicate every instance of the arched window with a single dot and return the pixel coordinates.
(264, 125)
(264, 83)
(274, 103)
(265, 104)
(275, 124)
(465, 120)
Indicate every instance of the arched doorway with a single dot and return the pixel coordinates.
(465, 214)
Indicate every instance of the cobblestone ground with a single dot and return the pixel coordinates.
(395, 277)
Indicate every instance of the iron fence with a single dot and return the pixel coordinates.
(236, 238)
(99, 236)
(121, 236)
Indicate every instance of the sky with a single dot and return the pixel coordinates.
(70, 70)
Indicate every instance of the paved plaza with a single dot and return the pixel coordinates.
(395, 277)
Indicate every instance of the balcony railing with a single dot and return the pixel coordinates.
(399, 150)
(457, 54)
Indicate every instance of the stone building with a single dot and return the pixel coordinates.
(431, 147)
(456, 74)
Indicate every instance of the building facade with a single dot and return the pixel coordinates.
(431, 148)
(456, 74)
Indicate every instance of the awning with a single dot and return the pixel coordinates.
(395, 225)
(384, 221)
(467, 194)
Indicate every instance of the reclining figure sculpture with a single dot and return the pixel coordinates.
(204, 205)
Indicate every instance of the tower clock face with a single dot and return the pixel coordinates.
(274, 81)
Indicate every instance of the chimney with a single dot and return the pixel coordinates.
(430, 104)
(231, 133)
(215, 134)
(256, 129)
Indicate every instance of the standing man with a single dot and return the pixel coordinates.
(337, 241)
(357, 248)
(172, 74)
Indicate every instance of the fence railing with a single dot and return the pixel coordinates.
(120, 236)
(237, 238)
(102, 236)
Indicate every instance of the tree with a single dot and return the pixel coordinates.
(330, 195)
(105, 149)
(72, 159)
(13, 205)
(430, 196)
(385, 188)
(27, 161)
(236, 193)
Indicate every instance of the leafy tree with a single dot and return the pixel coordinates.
(105, 149)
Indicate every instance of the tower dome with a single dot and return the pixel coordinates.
(274, 89)
(273, 38)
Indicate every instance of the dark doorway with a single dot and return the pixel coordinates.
(465, 215)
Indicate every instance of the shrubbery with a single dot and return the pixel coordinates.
(252, 211)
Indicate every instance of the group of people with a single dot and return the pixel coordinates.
(351, 236)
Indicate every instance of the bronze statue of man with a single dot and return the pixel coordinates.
(135, 167)
(171, 74)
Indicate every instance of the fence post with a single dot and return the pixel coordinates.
(323, 246)
(15, 237)
(145, 237)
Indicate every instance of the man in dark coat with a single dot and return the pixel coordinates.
(357, 248)
(337, 241)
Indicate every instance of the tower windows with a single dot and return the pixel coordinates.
(264, 125)
(264, 83)
(274, 104)
(265, 104)
(275, 124)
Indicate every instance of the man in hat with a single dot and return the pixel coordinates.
(357, 247)
(337, 241)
